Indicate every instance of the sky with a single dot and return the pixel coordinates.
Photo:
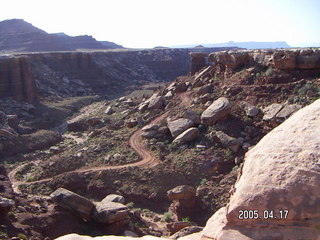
(150, 23)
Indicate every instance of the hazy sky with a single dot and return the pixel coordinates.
(149, 23)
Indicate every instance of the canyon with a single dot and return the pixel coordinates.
(87, 150)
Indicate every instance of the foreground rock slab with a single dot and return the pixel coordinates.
(281, 176)
(78, 237)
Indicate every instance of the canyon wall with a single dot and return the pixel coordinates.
(105, 73)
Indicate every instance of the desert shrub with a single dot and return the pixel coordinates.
(22, 236)
(186, 219)
(308, 87)
(3, 235)
(130, 204)
(147, 212)
(166, 217)
(203, 181)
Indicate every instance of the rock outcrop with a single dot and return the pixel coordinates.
(299, 59)
(198, 61)
(183, 198)
(73, 202)
(107, 211)
(277, 195)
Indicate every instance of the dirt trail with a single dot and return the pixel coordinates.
(147, 159)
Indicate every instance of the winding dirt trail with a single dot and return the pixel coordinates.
(147, 159)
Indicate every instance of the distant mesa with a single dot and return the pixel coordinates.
(17, 35)
(247, 45)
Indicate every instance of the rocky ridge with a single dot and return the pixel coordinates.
(16, 35)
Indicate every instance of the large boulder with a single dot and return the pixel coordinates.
(219, 109)
(187, 136)
(250, 110)
(176, 127)
(277, 195)
(109, 212)
(73, 202)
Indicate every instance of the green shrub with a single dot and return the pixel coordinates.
(203, 181)
(166, 217)
(147, 212)
(186, 219)
(22, 236)
(130, 204)
(308, 87)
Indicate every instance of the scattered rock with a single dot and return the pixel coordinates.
(143, 106)
(204, 98)
(287, 111)
(109, 110)
(230, 142)
(132, 123)
(192, 115)
(219, 109)
(251, 111)
(187, 136)
(156, 102)
(149, 134)
(180, 87)
(271, 111)
(168, 95)
(56, 149)
(204, 90)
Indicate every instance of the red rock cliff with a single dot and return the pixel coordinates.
(16, 79)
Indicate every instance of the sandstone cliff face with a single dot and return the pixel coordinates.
(16, 79)
(281, 177)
